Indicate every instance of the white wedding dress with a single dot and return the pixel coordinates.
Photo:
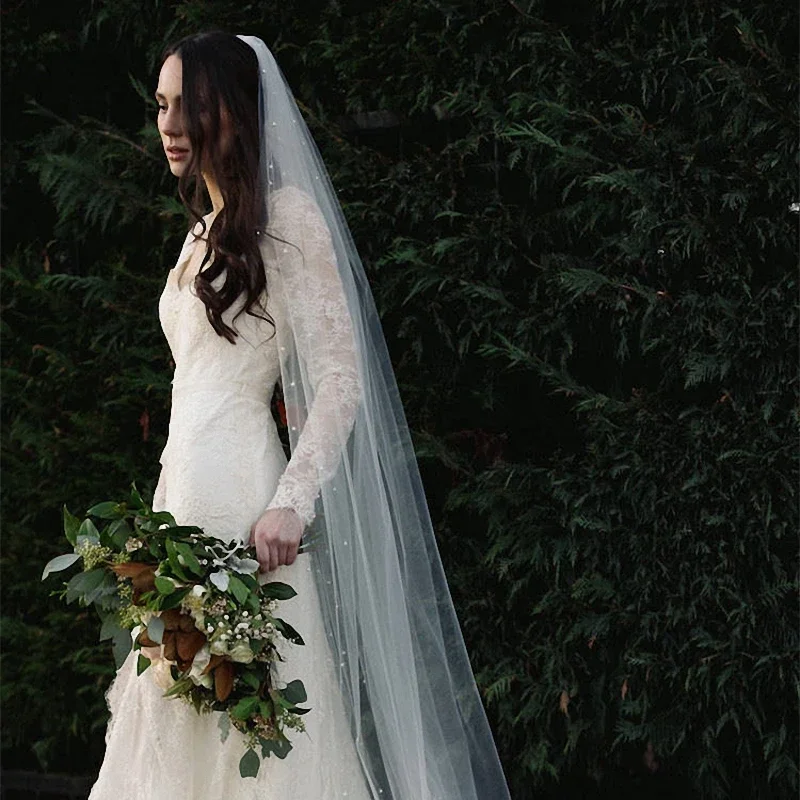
(222, 466)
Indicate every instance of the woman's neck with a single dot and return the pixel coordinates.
(214, 193)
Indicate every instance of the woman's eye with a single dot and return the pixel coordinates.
(162, 108)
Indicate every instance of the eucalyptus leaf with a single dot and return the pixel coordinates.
(249, 764)
(110, 627)
(60, 562)
(121, 646)
(88, 532)
(155, 629)
(294, 692)
(224, 725)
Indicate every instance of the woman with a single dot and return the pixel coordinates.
(269, 288)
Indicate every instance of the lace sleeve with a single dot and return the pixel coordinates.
(317, 315)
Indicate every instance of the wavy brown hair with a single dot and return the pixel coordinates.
(220, 75)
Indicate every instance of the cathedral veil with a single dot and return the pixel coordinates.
(416, 716)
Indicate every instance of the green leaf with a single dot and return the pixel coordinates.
(107, 586)
(175, 565)
(238, 589)
(89, 532)
(249, 764)
(278, 591)
(118, 532)
(160, 517)
(107, 510)
(245, 707)
(59, 563)
(110, 627)
(142, 663)
(180, 686)
(294, 692)
(189, 558)
(251, 680)
(83, 583)
(71, 527)
(121, 646)
(136, 499)
(164, 585)
(174, 600)
(288, 631)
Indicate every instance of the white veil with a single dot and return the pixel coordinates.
(415, 712)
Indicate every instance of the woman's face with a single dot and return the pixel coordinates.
(172, 122)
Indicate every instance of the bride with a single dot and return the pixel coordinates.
(269, 289)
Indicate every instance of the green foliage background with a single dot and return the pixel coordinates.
(581, 241)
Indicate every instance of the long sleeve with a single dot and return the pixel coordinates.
(320, 326)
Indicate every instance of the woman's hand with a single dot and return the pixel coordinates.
(276, 536)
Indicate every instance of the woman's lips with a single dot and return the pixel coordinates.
(176, 154)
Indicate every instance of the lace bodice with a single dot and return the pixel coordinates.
(306, 302)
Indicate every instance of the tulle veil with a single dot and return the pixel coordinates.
(415, 712)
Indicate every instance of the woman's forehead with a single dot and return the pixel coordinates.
(170, 79)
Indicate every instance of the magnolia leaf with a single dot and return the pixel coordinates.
(155, 629)
(60, 562)
(220, 580)
(288, 631)
(249, 764)
(278, 590)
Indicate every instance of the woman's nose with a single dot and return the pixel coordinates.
(172, 124)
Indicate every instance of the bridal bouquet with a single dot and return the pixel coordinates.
(198, 600)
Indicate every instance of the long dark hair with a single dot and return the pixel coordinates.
(220, 73)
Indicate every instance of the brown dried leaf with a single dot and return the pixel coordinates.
(223, 680)
(189, 644)
(170, 646)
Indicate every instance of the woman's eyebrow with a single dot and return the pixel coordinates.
(160, 96)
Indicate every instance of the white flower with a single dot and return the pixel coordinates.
(199, 663)
(198, 590)
(241, 653)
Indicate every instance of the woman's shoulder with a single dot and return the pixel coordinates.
(290, 204)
